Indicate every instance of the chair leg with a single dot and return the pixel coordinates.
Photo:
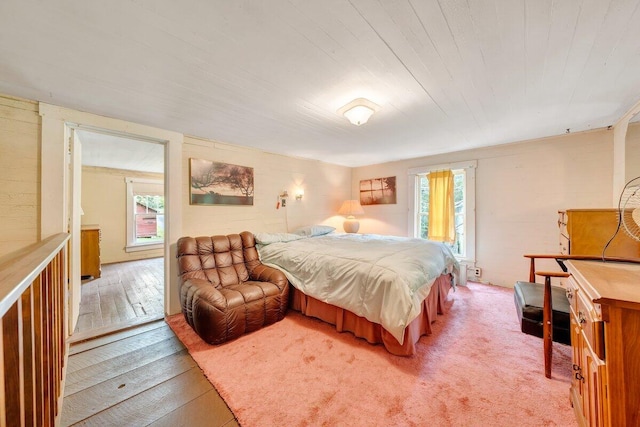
(547, 327)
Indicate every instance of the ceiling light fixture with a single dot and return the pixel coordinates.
(358, 111)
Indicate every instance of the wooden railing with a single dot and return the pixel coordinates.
(33, 322)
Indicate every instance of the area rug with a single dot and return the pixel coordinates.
(476, 369)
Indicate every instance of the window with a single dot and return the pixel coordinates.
(145, 214)
(464, 199)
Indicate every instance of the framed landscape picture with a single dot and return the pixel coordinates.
(378, 191)
(214, 183)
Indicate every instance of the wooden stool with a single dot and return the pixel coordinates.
(547, 319)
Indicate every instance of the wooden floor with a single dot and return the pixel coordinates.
(143, 376)
(127, 293)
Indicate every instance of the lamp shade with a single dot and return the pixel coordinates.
(351, 208)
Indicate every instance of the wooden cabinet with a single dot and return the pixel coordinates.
(587, 231)
(90, 251)
(605, 339)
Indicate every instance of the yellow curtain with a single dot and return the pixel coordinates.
(441, 207)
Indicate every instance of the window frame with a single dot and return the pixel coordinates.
(132, 244)
(470, 202)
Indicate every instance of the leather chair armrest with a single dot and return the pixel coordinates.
(205, 290)
(264, 273)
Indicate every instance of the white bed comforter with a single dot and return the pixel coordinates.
(382, 278)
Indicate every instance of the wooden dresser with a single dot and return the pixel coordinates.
(587, 231)
(90, 251)
(605, 323)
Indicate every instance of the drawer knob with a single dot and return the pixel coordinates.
(579, 377)
(569, 293)
(576, 367)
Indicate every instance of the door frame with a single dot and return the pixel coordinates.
(74, 195)
(56, 185)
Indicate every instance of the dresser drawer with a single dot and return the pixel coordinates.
(591, 323)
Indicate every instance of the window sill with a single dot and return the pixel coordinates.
(143, 247)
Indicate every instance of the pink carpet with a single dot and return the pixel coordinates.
(476, 369)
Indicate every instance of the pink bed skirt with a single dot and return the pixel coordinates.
(345, 320)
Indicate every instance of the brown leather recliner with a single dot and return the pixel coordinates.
(225, 291)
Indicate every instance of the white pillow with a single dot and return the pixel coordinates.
(314, 230)
(268, 238)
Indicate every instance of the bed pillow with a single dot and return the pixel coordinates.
(268, 238)
(314, 230)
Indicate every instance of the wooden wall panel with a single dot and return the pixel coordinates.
(19, 173)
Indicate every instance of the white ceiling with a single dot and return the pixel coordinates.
(116, 152)
(448, 75)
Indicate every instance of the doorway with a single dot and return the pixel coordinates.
(55, 215)
(122, 228)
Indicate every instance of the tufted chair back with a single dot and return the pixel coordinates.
(221, 260)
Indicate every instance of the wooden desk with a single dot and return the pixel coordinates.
(90, 251)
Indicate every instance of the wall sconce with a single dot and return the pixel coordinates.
(350, 208)
(299, 194)
(358, 111)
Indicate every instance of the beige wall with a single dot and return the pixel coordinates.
(325, 187)
(104, 202)
(519, 189)
(19, 173)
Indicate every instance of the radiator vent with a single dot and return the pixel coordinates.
(462, 279)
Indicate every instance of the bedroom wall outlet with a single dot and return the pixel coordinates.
(477, 272)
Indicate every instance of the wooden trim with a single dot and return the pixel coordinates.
(91, 334)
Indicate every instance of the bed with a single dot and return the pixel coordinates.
(384, 289)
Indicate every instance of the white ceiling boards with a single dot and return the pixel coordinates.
(116, 152)
(447, 75)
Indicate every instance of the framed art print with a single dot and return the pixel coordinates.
(215, 183)
(378, 191)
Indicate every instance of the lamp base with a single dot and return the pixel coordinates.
(351, 226)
